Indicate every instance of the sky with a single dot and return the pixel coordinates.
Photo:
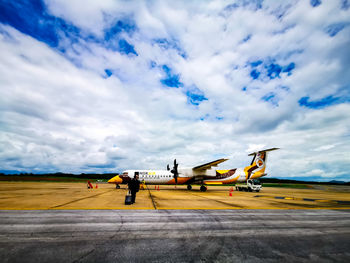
(104, 86)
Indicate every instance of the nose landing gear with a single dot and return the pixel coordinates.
(189, 187)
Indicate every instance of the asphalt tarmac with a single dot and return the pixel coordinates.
(175, 235)
(43, 195)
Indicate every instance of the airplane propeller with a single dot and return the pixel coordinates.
(175, 171)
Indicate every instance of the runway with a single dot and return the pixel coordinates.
(175, 235)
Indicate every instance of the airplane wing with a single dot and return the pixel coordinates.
(209, 165)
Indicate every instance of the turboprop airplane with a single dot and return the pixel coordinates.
(202, 174)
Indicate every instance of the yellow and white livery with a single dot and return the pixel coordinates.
(202, 174)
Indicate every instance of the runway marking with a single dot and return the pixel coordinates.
(306, 199)
(55, 207)
(150, 195)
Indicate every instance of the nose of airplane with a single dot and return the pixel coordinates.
(115, 180)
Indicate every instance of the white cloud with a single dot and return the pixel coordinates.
(255, 147)
(86, 14)
(59, 112)
(324, 147)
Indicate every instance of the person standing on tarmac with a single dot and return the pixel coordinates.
(134, 186)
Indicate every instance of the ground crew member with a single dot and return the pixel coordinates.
(134, 186)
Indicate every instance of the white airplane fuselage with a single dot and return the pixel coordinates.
(203, 174)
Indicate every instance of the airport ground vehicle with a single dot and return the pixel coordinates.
(249, 186)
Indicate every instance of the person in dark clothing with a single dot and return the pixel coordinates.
(134, 186)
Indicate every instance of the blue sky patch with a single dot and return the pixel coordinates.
(120, 26)
(10, 171)
(315, 3)
(345, 4)
(270, 69)
(171, 80)
(280, 10)
(283, 30)
(284, 88)
(126, 48)
(205, 117)
(31, 18)
(273, 70)
(256, 63)
(101, 166)
(195, 98)
(271, 98)
(152, 64)
(112, 38)
(252, 4)
(254, 74)
(108, 72)
(170, 44)
(319, 104)
(288, 69)
(247, 38)
(231, 7)
(166, 69)
(334, 29)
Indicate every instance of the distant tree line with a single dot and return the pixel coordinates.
(105, 176)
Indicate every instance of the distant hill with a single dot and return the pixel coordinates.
(276, 180)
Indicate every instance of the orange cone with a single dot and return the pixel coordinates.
(230, 194)
(158, 188)
(155, 187)
(96, 186)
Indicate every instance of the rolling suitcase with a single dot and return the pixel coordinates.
(128, 198)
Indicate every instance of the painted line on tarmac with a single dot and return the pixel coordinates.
(77, 200)
(150, 195)
(306, 199)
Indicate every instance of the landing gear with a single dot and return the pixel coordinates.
(189, 187)
(117, 186)
(203, 188)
